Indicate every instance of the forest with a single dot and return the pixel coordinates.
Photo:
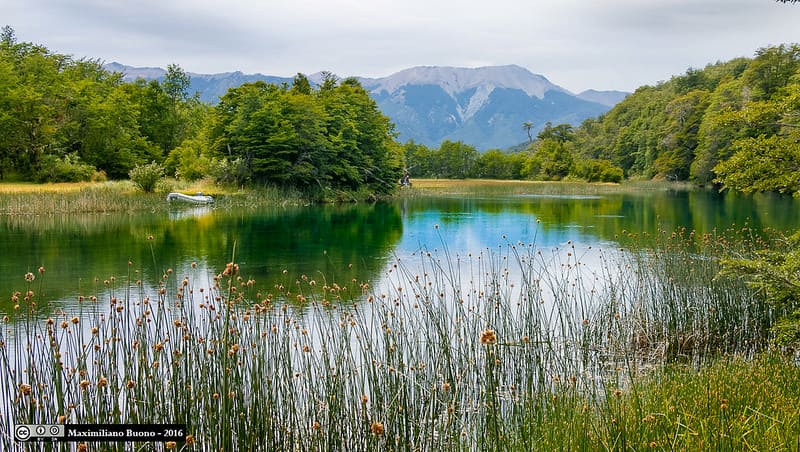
(63, 119)
(734, 125)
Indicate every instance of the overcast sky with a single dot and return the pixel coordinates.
(577, 44)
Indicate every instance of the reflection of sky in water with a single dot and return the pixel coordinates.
(474, 231)
(324, 240)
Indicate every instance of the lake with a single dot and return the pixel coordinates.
(85, 255)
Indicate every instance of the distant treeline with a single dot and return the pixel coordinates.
(735, 124)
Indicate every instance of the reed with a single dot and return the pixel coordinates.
(510, 348)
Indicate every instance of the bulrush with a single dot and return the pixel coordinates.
(377, 428)
(488, 337)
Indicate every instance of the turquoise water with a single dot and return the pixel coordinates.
(343, 243)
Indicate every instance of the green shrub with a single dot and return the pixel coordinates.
(146, 177)
(235, 172)
(188, 161)
(595, 170)
(70, 168)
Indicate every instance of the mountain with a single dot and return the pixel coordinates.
(484, 107)
(210, 86)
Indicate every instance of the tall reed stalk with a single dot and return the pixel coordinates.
(511, 348)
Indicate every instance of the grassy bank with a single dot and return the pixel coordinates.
(511, 348)
(122, 196)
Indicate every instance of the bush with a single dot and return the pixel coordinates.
(774, 273)
(599, 171)
(146, 177)
(235, 172)
(188, 161)
(70, 168)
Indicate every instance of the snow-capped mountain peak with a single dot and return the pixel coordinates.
(455, 80)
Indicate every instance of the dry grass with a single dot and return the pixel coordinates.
(15, 188)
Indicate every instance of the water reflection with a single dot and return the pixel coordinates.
(80, 253)
(342, 243)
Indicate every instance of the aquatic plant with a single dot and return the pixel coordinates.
(510, 348)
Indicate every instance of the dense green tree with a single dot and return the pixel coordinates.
(679, 134)
(495, 164)
(596, 170)
(560, 133)
(58, 115)
(771, 70)
(456, 159)
(553, 158)
(420, 159)
(762, 164)
(328, 139)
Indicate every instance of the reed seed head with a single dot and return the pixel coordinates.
(488, 336)
(377, 428)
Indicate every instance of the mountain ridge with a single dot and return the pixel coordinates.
(482, 106)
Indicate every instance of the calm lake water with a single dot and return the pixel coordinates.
(346, 242)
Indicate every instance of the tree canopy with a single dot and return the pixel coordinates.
(66, 119)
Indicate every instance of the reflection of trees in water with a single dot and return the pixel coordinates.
(337, 242)
(608, 214)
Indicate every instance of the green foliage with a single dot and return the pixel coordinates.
(775, 273)
(230, 172)
(52, 105)
(189, 161)
(70, 168)
(495, 164)
(690, 127)
(456, 159)
(147, 176)
(552, 159)
(420, 159)
(596, 170)
(331, 139)
(762, 164)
